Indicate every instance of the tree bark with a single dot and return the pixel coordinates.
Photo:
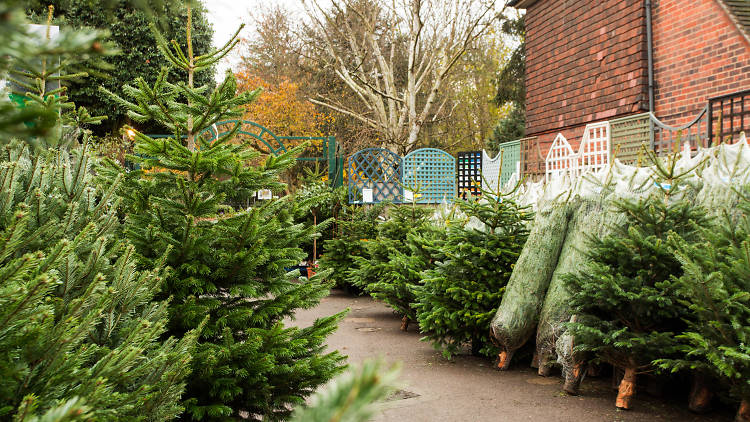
(700, 395)
(626, 391)
(503, 360)
(743, 413)
(573, 378)
(405, 323)
(545, 366)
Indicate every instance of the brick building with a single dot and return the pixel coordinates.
(588, 61)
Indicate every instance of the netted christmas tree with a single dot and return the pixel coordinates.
(353, 227)
(625, 296)
(715, 285)
(387, 270)
(460, 294)
(229, 262)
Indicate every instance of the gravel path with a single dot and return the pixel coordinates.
(468, 388)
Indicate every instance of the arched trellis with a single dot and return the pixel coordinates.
(374, 175)
(247, 129)
(431, 172)
(323, 149)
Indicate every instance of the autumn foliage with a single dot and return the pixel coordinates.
(280, 107)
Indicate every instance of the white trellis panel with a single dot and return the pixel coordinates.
(490, 171)
(593, 155)
(560, 159)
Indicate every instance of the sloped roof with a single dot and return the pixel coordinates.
(740, 12)
(738, 9)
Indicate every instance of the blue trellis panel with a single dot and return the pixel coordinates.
(431, 172)
(377, 169)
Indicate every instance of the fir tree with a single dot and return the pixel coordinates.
(625, 298)
(388, 271)
(715, 286)
(228, 262)
(460, 295)
(354, 226)
(36, 69)
(80, 332)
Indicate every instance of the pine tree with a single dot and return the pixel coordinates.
(386, 271)
(80, 330)
(715, 286)
(460, 295)
(229, 262)
(625, 297)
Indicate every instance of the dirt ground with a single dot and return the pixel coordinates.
(468, 388)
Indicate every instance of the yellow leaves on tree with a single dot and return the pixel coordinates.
(280, 108)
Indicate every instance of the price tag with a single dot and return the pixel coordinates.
(408, 195)
(367, 195)
(265, 194)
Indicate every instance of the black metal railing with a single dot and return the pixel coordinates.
(729, 115)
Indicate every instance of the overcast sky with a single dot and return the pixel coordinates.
(227, 15)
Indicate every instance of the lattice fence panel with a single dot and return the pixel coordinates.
(469, 174)
(490, 171)
(511, 157)
(377, 169)
(532, 160)
(560, 158)
(593, 154)
(432, 172)
(628, 135)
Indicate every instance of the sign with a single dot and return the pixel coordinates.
(367, 195)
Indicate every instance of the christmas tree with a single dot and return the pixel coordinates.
(715, 285)
(625, 297)
(460, 294)
(81, 332)
(35, 68)
(354, 226)
(229, 262)
(82, 337)
(388, 271)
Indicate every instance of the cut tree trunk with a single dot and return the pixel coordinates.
(405, 323)
(700, 395)
(573, 378)
(626, 391)
(743, 414)
(545, 366)
(503, 360)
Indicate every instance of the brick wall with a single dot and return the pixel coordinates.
(698, 53)
(586, 61)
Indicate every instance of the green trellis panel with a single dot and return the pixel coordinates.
(628, 135)
(431, 172)
(511, 157)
